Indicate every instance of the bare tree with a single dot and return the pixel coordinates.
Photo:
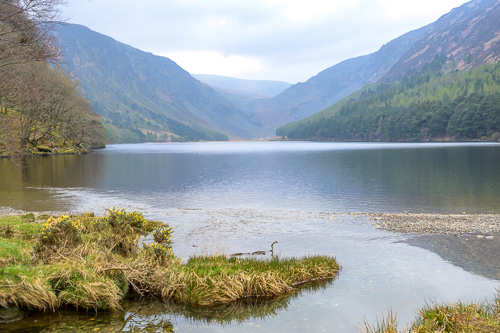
(26, 28)
(38, 102)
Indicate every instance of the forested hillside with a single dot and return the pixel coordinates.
(41, 110)
(458, 105)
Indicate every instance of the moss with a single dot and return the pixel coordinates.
(44, 149)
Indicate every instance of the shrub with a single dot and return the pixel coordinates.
(163, 235)
(160, 252)
(126, 222)
(63, 229)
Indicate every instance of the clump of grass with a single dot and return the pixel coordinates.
(217, 279)
(30, 217)
(387, 324)
(25, 287)
(458, 317)
(77, 285)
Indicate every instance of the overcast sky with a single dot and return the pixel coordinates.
(285, 40)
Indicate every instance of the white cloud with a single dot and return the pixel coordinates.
(401, 9)
(300, 10)
(288, 40)
(209, 62)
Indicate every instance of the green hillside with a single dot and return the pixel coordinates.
(142, 96)
(458, 105)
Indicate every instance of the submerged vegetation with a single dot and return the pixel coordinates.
(93, 263)
(457, 317)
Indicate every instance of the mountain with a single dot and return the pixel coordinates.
(334, 83)
(248, 88)
(243, 93)
(132, 90)
(452, 105)
(467, 36)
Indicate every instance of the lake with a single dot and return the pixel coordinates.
(242, 196)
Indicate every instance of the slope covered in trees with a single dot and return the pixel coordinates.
(41, 110)
(459, 105)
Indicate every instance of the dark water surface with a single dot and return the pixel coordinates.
(240, 197)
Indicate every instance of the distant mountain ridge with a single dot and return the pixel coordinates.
(250, 88)
(133, 88)
(469, 33)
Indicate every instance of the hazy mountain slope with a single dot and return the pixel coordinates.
(469, 36)
(142, 90)
(249, 88)
(334, 83)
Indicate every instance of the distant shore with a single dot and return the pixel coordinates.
(454, 224)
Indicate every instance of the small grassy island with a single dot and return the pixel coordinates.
(93, 263)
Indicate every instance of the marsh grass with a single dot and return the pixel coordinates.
(458, 317)
(218, 280)
(387, 324)
(93, 263)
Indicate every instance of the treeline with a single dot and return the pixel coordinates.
(458, 105)
(117, 132)
(124, 128)
(40, 107)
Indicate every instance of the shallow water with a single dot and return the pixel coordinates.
(241, 197)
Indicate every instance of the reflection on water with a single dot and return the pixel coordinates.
(314, 176)
(154, 316)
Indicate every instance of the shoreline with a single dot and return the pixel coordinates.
(405, 223)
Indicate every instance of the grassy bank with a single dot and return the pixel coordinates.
(457, 317)
(93, 263)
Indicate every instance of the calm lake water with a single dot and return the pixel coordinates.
(240, 197)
